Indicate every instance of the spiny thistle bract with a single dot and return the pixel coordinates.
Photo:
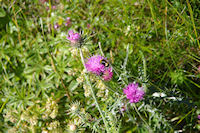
(74, 108)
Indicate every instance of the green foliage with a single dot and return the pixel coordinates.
(177, 77)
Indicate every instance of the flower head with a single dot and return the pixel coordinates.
(73, 37)
(94, 65)
(107, 74)
(198, 117)
(133, 92)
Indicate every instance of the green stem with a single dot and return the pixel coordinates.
(150, 130)
(1, 109)
(32, 129)
(93, 94)
(145, 71)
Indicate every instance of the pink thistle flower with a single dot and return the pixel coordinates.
(73, 37)
(94, 65)
(133, 93)
(198, 117)
(107, 74)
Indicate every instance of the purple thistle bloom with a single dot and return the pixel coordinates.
(93, 64)
(73, 37)
(133, 93)
(198, 117)
(107, 74)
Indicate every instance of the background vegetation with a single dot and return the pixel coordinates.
(38, 67)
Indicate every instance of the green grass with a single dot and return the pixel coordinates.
(155, 43)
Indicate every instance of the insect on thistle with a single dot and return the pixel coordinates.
(104, 62)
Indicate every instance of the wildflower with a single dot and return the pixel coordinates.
(68, 21)
(133, 93)
(107, 74)
(56, 26)
(53, 7)
(198, 117)
(73, 37)
(94, 64)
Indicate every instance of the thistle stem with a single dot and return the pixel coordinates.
(150, 130)
(145, 71)
(92, 90)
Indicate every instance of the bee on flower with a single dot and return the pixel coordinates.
(99, 65)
